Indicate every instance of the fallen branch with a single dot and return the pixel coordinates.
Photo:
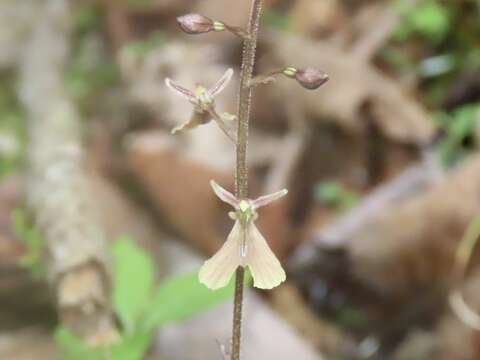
(57, 191)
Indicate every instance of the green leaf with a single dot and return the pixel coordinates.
(74, 348)
(181, 297)
(133, 281)
(133, 347)
(465, 120)
(431, 19)
(457, 125)
(129, 348)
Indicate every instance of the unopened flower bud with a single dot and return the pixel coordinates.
(309, 78)
(199, 24)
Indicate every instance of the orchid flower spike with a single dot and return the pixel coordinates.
(203, 103)
(245, 246)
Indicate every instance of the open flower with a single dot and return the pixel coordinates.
(203, 103)
(245, 246)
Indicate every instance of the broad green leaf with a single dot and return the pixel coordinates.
(181, 297)
(133, 347)
(73, 348)
(133, 281)
(129, 348)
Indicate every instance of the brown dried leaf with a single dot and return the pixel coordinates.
(179, 188)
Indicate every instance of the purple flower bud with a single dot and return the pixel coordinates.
(196, 24)
(311, 78)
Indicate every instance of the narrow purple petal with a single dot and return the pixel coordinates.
(221, 84)
(224, 195)
(180, 90)
(267, 199)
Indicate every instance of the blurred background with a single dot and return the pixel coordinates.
(105, 217)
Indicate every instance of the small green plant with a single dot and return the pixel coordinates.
(33, 240)
(141, 306)
(336, 196)
(458, 126)
(445, 36)
(430, 19)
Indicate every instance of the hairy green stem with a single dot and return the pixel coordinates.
(241, 175)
